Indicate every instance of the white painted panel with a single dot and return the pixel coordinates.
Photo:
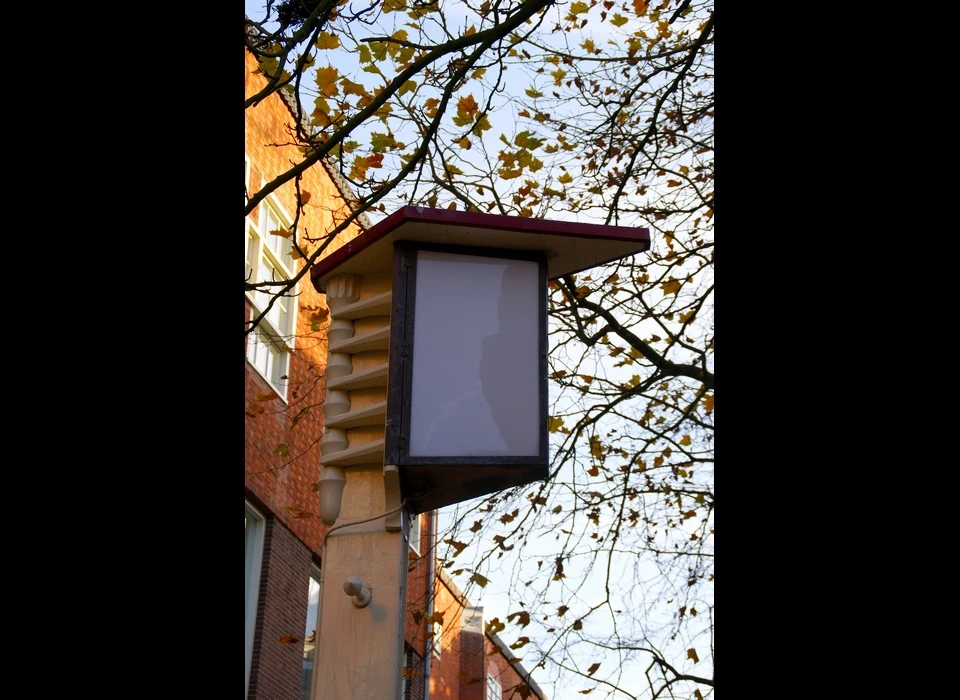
(476, 384)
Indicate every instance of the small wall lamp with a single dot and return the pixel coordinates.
(361, 595)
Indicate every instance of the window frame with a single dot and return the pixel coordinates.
(413, 679)
(269, 345)
(314, 576)
(253, 563)
(491, 683)
(435, 642)
(414, 533)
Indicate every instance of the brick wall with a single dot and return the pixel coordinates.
(282, 610)
(283, 484)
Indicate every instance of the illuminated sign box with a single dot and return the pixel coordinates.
(466, 407)
(467, 411)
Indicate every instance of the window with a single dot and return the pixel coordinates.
(494, 692)
(253, 555)
(267, 258)
(310, 632)
(437, 633)
(413, 536)
(411, 680)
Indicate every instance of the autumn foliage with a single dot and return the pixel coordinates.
(587, 111)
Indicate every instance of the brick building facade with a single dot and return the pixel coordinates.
(284, 390)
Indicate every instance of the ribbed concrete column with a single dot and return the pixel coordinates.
(360, 649)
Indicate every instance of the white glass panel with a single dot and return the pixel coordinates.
(437, 640)
(253, 553)
(414, 534)
(476, 363)
(494, 692)
(250, 264)
(310, 634)
(275, 369)
(260, 356)
(283, 315)
(278, 244)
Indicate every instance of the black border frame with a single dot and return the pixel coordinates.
(397, 436)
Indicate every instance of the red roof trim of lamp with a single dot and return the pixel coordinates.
(569, 246)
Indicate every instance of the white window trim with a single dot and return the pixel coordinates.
(413, 534)
(314, 576)
(493, 689)
(437, 635)
(278, 343)
(246, 178)
(254, 562)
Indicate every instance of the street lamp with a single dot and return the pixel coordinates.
(436, 393)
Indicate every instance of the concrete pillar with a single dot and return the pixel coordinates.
(360, 642)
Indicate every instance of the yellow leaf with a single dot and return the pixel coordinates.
(328, 41)
(618, 20)
(482, 124)
(671, 286)
(566, 178)
(326, 79)
(554, 424)
(464, 143)
(351, 88)
(640, 6)
(685, 440)
(458, 546)
(321, 106)
(481, 581)
(359, 170)
(282, 232)
(495, 626)
(692, 654)
(467, 105)
(525, 140)
(708, 403)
